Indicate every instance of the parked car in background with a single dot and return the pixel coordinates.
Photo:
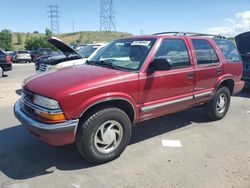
(129, 81)
(88, 50)
(22, 56)
(40, 52)
(68, 56)
(5, 62)
(243, 43)
(79, 46)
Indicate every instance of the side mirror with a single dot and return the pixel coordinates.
(159, 64)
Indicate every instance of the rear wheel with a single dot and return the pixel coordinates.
(217, 108)
(104, 135)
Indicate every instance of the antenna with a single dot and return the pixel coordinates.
(53, 11)
(107, 15)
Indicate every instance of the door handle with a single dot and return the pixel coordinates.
(190, 75)
(218, 70)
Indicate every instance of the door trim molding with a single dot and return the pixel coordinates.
(162, 104)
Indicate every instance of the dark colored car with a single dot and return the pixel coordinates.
(5, 62)
(65, 54)
(129, 81)
(41, 52)
(243, 44)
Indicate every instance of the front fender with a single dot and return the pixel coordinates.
(98, 99)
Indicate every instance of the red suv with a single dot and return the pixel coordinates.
(128, 81)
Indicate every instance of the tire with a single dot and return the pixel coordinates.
(217, 108)
(104, 135)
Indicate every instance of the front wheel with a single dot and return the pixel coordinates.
(217, 108)
(104, 135)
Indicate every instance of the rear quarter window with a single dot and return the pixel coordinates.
(229, 50)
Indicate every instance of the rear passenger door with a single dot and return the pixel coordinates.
(207, 67)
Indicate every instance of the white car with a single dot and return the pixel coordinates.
(22, 55)
(68, 57)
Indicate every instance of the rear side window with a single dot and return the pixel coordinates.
(205, 54)
(229, 50)
(175, 52)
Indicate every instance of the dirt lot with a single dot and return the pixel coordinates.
(214, 154)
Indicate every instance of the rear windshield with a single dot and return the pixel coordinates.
(23, 52)
(229, 50)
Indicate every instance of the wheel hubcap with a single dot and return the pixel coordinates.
(221, 103)
(108, 136)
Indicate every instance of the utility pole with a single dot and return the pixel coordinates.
(107, 15)
(53, 11)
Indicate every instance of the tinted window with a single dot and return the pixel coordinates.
(175, 52)
(204, 51)
(229, 50)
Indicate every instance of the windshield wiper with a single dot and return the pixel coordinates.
(102, 64)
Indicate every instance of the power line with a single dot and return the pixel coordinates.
(53, 11)
(107, 15)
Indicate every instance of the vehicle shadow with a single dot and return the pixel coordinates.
(245, 92)
(22, 156)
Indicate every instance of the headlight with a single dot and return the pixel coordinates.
(46, 102)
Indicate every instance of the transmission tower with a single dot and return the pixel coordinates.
(107, 15)
(53, 11)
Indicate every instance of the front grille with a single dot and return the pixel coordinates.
(27, 96)
(42, 67)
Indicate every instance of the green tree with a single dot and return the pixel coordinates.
(6, 40)
(19, 39)
(32, 43)
(48, 32)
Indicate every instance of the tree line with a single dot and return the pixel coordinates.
(30, 43)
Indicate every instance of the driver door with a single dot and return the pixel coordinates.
(166, 91)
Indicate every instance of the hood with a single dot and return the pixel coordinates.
(243, 43)
(64, 48)
(60, 83)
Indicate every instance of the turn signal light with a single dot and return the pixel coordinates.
(52, 117)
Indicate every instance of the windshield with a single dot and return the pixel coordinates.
(128, 54)
(86, 51)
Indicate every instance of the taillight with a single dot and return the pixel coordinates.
(7, 59)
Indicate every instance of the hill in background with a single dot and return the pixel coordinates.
(69, 38)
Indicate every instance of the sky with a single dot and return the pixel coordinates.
(225, 17)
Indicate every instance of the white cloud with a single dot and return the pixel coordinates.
(232, 27)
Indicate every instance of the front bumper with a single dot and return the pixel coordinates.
(53, 134)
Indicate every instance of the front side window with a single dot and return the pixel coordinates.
(124, 54)
(205, 54)
(228, 49)
(175, 52)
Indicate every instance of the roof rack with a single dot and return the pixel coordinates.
(177, 33)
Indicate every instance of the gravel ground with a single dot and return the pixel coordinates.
(214, 154)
